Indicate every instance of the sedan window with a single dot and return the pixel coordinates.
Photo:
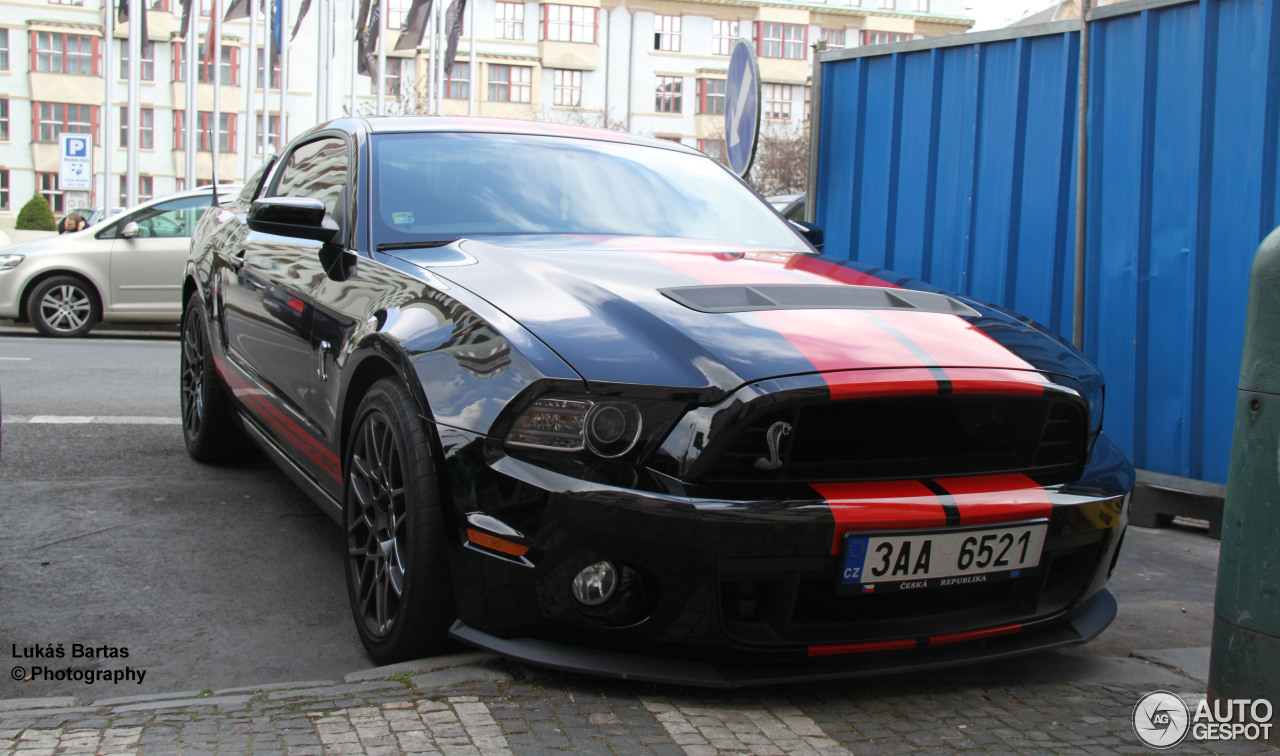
(167, 220)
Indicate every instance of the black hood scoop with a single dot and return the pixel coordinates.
(758, 297)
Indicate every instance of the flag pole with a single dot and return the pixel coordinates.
(267, 67)
(474, 68)
(382, 58)
(251, 75)
(108, 120)
(284, 71)
(322, 70)
(355, 45)
(442, 46)
(192, 76)
(136, 23)
(215, 139)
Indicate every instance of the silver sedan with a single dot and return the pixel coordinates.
(124, 270)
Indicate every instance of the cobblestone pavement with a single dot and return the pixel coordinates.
(473, 704)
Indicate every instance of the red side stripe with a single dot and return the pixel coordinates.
(991, 632)
(862, 648)
(884, 505)
(997, 498)
(827, 269)
(288, 429)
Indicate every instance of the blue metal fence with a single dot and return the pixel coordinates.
(953, 160)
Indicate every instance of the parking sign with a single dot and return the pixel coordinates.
(75, 162)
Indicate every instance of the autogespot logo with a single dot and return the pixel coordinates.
(1161, 719)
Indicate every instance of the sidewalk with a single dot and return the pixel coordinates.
(475, 703)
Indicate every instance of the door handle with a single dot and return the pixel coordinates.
(236, 261)
(321, 373)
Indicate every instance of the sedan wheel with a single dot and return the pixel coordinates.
(397, 574)
(63, 306)
(208, 426)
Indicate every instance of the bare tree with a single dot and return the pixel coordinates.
(782, 161)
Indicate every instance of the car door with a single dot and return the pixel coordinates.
(148, 255)
(267, 308)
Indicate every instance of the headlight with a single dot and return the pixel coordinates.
(10, 261)
(608, 428)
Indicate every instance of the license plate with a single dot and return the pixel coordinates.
(909, 561)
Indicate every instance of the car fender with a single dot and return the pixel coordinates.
(93, 266)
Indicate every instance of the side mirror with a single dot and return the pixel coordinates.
(811, 232)
(298, 217)
(130, 230)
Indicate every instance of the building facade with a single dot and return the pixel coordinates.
(654, 67)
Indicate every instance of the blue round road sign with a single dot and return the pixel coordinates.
(742, 107)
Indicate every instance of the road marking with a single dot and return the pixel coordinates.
(701, 727)
(93, 420)
(15, 359)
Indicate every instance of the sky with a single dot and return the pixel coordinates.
(992, 14)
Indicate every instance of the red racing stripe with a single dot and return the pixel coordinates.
(996, 381)
(829, 270)
(859, 384)
(952, 341)
(884, 505)
(862, 648)
(997, 498)
(841, 339)
(722, 269)
(990, 632)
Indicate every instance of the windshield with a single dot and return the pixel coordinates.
(445, 186)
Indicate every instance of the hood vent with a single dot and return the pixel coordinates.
(759, 297)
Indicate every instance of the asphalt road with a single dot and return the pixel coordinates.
(216, 577)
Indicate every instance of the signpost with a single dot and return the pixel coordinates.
(75, 162)
(742, 107)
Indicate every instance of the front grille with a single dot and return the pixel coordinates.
(912, 437)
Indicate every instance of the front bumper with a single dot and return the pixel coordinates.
(1082, 626)
(739, 590)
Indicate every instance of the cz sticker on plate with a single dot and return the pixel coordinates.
(913, 560)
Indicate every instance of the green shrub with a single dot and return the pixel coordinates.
(36, 216)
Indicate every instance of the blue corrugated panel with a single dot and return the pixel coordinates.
(955, 163)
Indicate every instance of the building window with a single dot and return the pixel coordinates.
(568, 23)
(883, 38)
(147, 136)
(4, 189)
(53, 118)
(204, 129)
(723, 35)
(781, 40)
(65, 53)
(777, 101)
(396, 12)
(273, 135)
(457, 83)
(714, 148)
(711, 96)
(395, 66)
(4, 49)
(148, 61)
(888, 4)
(4, 119)
(275, 67)
(920, 6)
(666, 33)
(667, 98)
(146, 190)
(567, 90)
(510, 83)
(509, 20)
(833, 37)
(49, 190)
(229, 70)
(67, 2)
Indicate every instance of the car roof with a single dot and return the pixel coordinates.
(480, 125)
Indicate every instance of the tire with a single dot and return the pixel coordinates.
(397, 568)
(64, 307)
(209, 427)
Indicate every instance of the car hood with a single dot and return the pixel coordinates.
(628, 310)
(55, 243)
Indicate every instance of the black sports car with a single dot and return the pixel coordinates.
(586, 400)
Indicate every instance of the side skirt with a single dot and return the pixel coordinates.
(329, 505)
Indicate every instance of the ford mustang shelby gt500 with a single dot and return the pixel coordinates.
(586, 400)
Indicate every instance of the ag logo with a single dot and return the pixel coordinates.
(1161, 719)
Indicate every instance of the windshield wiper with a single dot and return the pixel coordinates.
(415, 244)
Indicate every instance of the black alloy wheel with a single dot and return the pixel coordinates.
(397, 572)
(209, 428)
(64, 306)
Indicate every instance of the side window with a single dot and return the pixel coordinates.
(168, 220)
(317, 170)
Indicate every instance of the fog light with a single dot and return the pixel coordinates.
(595, 584)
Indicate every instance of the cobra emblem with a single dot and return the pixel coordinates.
(773, 437)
